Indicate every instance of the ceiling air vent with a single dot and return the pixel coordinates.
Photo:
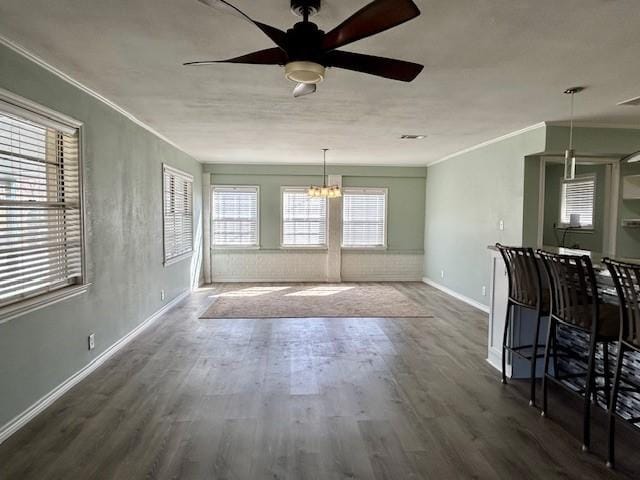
(413, 137)
(631, 102)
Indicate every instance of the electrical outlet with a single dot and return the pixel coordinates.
(92, 341)
(484, 291)
(161, 294)
(441, 273)
(501, 225)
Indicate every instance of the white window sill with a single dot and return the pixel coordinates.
(226, 248)
(364, 247)
(32, 304)
(567, 228)
(303, 247)
(177, 259)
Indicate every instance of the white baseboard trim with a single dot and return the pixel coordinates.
(381, 278)
(268, 280)
(454, 294)
(368, 278)
(30, 413)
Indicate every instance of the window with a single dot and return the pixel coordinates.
(577, 198)
(364, 213)
(235, 216)
(304, 219)
(177, 196)
(41, 233)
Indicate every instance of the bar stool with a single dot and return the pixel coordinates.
(525, 290)
(626, 278)
(575, 305)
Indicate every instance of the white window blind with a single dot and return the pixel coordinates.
(364, 217)
(178, 213)
(304, 219)
(40, 202)
(578, 198)
(235, 216)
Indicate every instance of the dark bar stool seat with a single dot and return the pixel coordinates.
(626, 278)
(575, 305)
(525, 291)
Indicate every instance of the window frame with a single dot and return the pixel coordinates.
(579, 178)
(284, 246)
(367, 191)
(34, 112)
(178, 258)
(256, 246)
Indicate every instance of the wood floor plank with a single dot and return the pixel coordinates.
(309, 398)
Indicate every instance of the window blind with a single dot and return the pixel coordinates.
(577, 198)
(304, 219)
(40, 202)
(364, 216)
(178, 213)
(235, 216)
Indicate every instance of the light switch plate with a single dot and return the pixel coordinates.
(92, 341)
(501, 224)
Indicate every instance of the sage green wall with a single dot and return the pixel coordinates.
(40, 350)
(269, 200)
(405, 229)
(595, 141)
(587, 239)
(614, 142)
(466, 198)
(405, 209)
(629, 238)
(531, 201)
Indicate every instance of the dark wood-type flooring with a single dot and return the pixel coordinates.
(309, 399)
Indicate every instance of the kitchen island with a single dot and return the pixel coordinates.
(523, 330)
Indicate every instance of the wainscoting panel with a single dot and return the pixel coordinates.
(269, 266)
(311, 266)
(361, 266)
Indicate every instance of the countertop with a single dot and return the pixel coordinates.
(596, 257)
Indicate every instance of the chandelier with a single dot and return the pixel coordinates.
(324, 191)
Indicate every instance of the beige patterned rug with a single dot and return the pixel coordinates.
(312, 300)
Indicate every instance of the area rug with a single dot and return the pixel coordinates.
(312, 300)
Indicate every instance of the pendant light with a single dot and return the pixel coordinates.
(570, 154)
(324, 191)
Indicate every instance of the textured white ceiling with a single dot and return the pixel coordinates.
(492, 67)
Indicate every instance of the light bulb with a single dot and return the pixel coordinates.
(569, 164)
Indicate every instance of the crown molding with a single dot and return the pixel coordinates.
(489, 142)
(19, 49)
(621, 126)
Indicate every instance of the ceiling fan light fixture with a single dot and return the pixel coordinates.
(304, 72)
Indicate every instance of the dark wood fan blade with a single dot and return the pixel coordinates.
(303, 89)
(380, 66)
(270, 56)
(378, 16)
(277, 36)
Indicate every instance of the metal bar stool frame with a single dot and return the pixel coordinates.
(525, 290)
(626, 279)
(575, 304)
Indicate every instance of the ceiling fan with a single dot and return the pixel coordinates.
(305, 51)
